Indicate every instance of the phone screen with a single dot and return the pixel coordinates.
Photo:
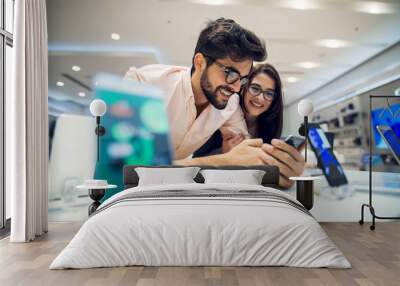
(391, 139)
(295, 141)
(331, 167)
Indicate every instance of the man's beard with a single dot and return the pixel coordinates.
(211, 94)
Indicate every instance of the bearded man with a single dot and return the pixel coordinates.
(204, 98)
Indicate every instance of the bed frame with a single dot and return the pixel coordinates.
(270, 179)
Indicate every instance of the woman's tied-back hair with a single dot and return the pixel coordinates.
(225, 38)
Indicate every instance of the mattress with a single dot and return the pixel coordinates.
(201, 225)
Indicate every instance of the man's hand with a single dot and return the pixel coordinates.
(230, 140)
(289, 160)
(248, 152)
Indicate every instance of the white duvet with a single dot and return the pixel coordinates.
(200, 231)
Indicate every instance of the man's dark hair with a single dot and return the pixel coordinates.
(225, 38)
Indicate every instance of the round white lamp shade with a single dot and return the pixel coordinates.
(305, 107)
(98, 107)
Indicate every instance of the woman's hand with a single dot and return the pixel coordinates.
(289, 160)
(231, 140)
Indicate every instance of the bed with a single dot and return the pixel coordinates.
(201, 224)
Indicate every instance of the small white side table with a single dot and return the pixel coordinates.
(305, 190)
(96, 193)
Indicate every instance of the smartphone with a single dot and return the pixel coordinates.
(391, 140)
(333, 171)
(295, 141)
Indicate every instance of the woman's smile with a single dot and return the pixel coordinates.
(256, 104)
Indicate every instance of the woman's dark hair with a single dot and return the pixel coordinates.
(270, 122)
(225, 38)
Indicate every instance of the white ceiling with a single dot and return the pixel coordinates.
(166, 31)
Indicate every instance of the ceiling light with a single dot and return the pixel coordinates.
(115, 36)
(292, 79)
(300, 4)
(76, 68)
(215, 2)
(82, 94)
(307, 65)
(60, 83)
(333, 43)
(373, 7)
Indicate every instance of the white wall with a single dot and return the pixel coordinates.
(73, 154)
(291, 120)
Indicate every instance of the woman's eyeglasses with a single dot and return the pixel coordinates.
(255, 90)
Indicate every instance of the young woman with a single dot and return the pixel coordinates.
(262, 105)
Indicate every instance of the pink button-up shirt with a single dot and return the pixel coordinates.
(189, 133)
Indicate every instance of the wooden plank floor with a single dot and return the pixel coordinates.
(375, 257)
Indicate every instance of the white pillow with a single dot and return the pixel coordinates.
(163, 176)
(249, 177)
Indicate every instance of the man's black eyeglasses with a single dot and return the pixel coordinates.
(231, 74)
(255, 90)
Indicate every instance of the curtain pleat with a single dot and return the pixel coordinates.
(44, 127)
(15, 130)
(29, 159)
